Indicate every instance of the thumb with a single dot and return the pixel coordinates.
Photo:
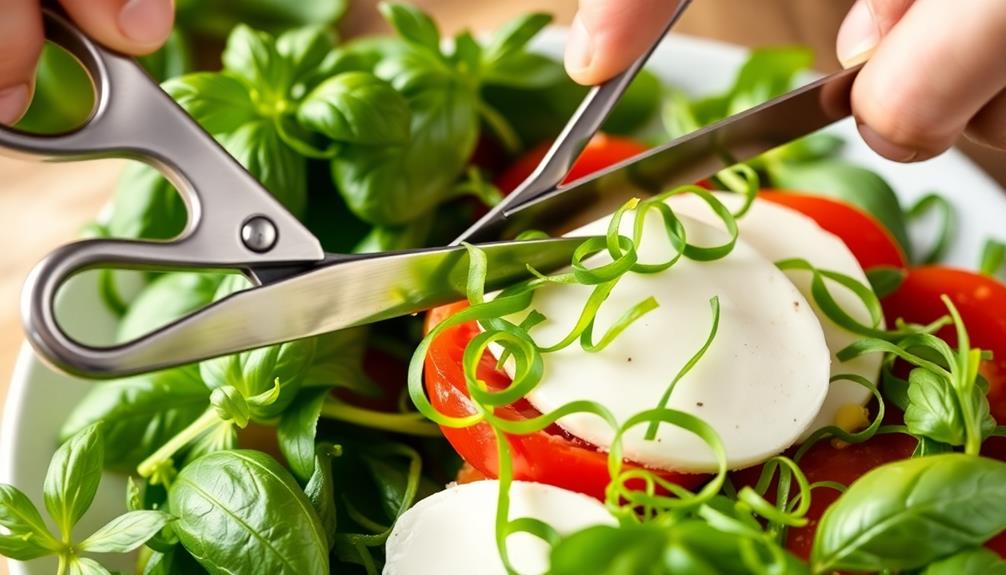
(130, 26)
(866, 23)
(608, 35)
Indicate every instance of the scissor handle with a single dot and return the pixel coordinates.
(579, 129)
(233, 221)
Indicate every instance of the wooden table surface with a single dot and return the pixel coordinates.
(45, 205)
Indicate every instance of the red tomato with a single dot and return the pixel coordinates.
(550, 456)
(981, 302)
(825, 462)
(868, 240)
(602, 151)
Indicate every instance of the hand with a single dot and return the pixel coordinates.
(936, 68)
(131, 26)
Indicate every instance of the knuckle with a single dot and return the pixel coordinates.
(901, 115)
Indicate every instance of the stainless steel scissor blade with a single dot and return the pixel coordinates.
(340, 292)
(684, 160)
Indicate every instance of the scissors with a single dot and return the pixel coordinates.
(299, 290)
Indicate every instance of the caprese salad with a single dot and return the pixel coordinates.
(720, 373)
(757, 374)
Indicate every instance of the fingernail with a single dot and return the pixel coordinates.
(579, 47)
(885, 147)
(146, 21)
(858, 36)
(13, 103)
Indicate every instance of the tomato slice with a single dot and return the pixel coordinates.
(602, 151)
(868, 240)
(981, 301)
(549, 456)
(825, 462)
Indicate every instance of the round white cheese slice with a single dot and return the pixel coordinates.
(453, 532)
(780, 233)
(759, 385)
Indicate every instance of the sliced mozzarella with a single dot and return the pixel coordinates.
(759, 385)
(779, 233)
(453, 532)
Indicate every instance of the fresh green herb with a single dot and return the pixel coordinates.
(943, 400)
(139, 413)
(906, 514)
(946, 225)
(977, 561)
(885, 280)
(992, 258)
(240, 510)
(70, 485)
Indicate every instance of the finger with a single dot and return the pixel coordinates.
(866, 23)
(608, 35)
(929, 75)
(988, 127)
(21, 40)
(131, 26)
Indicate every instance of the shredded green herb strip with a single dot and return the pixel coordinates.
(637, 495)
(993, 257)
(946, 226)
(659, 495)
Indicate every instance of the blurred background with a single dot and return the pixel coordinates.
(44, 206)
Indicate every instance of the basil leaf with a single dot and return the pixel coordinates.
(85, 566)
(933, 410)
(219, 102)
(281, 170)
(166, 299)
(22, 547)
(27, 536)
(126, 532)
(767, 73)
(978, 561)
(174, 561)
(241, 512)
(297, 430)
(217, 18)
(356, 107)
(690, 546)
(140, 413)
(252, 55)
(927, 447)
(816, 146)
(906, 514)
(309, 53)
(885, 280)
(514, 36)
(320, 489)
(523, 70)
(992, 258)
(73, 476)
(842, 181)
(146, 206)
(338, 362)
(393, 185)
(412, 24)
(391, 476)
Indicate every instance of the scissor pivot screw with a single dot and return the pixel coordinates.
(259, 234)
